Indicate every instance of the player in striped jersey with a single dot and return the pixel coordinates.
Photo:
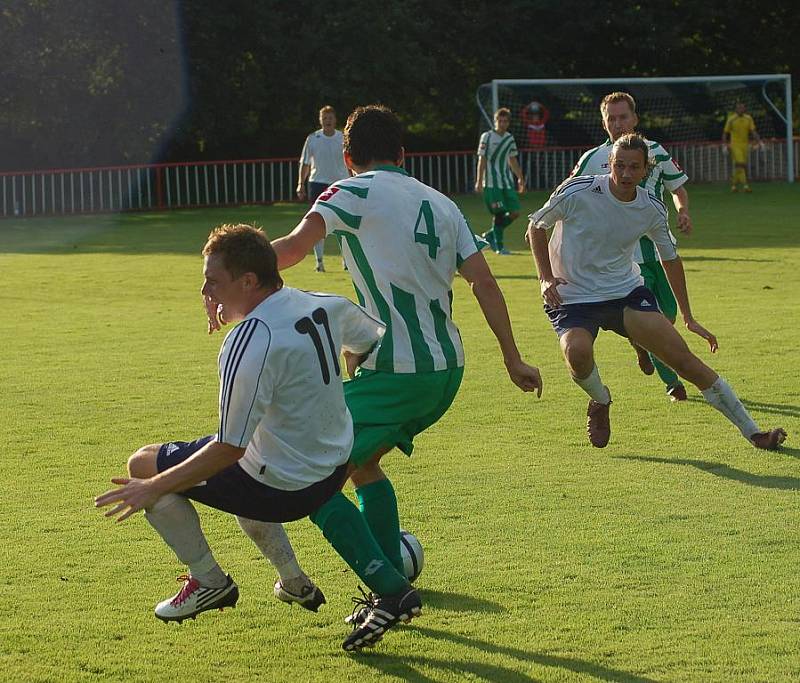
(285, 435)
(497, 152)
(589, 280)
(618, 111)
(403, 243)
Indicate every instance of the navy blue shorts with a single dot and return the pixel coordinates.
(605, 314)
(315, 190)
(235, 491)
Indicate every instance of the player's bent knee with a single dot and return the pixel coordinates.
(142, 464)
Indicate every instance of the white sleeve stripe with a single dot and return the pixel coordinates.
(239, 345)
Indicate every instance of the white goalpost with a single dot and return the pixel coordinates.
(672, 110)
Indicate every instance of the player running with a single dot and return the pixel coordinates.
(589, 280)
(618, 111)
(497, 151)
(284, 437)
(403, 243)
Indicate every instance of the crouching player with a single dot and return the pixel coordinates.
(589, 280)
(284, 439)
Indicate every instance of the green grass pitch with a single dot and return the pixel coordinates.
(672, 555)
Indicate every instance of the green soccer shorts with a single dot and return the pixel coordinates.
(656, 281)
(390, 409)
(500, 201)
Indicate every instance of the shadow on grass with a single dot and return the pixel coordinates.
(408, 668)
(761, 406)
(719, 469)
(458, 602)
(691, 259)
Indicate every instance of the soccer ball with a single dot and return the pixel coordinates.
(411, 552)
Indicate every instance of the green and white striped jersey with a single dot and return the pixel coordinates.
(665, 174)
(402, 242)
(497, 149)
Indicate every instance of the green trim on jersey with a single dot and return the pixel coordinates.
(391, 168)
(440, 324)
(357, 191)
(673, 176)
(349, 219)
(385, 357)
(589, 155)
(405, 303)
(499, 163)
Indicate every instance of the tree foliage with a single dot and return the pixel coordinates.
(95, 82)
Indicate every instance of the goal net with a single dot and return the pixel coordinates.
(686, 111)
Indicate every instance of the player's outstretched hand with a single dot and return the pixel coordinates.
(693, 326)
(214, 315)
(526, 377)
(549, 290)
(132, 496)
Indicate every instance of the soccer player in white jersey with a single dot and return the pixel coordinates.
(618, 111)
(403, 243)
(497, 152)
(285, 435)
(589, 280)
(321, 164)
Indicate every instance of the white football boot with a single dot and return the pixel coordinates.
(194, 598)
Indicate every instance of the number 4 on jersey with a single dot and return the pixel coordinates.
(429, 236)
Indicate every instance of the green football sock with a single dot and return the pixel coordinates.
(378, 505)
(345, 529)
(666, 373)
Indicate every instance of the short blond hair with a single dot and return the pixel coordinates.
(327, 109)
(503, 111)
(618, 96)
(245, 249)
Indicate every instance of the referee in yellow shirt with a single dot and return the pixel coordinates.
(737, 132)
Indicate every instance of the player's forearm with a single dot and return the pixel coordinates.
(481, 172)
(680, 198)
(676, 277)
(537, 238)
(211, 459)
(517, 169)
(293, 248)
(493, 305)
(305, 171)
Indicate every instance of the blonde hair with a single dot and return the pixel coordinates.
(327, 109)
(617, 97)
(245, 249)
(503, 111)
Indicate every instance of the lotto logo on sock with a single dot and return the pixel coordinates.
(372, 567)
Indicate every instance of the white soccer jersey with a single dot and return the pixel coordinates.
(324, 154)
(665, 174)
(402, 242)
(497, 149)
(281, 392)
(595, 236)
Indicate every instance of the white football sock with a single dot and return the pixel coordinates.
(593, 386)
(272, 541)
(173, 516)
(319, 250)
(722, 397)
